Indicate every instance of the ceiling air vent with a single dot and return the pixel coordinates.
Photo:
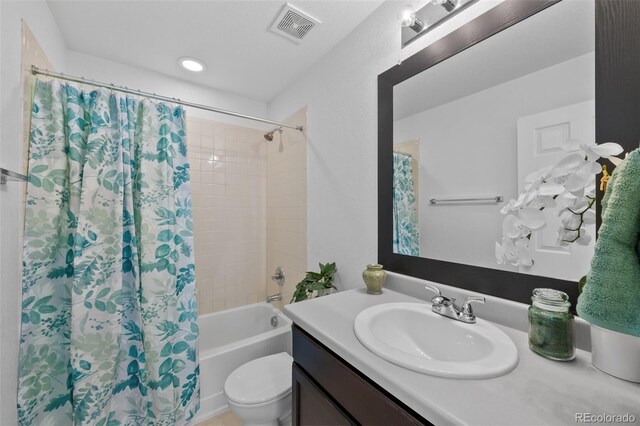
(294, 24)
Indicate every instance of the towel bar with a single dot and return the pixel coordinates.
(497, 199)
(7, 175)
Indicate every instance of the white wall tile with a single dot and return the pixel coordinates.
(286, 194)
(229, 212)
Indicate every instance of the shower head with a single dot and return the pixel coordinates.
(269, 135)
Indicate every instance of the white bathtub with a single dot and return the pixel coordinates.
(231, 338)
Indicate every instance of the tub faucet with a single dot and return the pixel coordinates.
(447, 307)
(278, 276)
(274, 297)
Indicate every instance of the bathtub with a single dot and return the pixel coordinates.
(231, 338)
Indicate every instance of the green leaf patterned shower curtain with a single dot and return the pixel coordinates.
(406, 235)
(109, 331)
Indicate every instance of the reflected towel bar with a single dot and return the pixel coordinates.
(497, 199)
(7, 175)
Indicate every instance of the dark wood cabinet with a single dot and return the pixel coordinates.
(312, 406)
(329, 391)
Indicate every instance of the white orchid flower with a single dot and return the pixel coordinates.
(510, 251)
(544, 202)
(607, 149)
(566, 187)
(516, 253)
(579, 179)
(584, 239)
(594, 151)
(566, 236)
(532, 218)
(528, 219)
(508, 207)
(589, 217)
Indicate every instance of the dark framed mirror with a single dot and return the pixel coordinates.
(465, 119)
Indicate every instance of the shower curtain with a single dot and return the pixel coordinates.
(109, 332)
(406, 237)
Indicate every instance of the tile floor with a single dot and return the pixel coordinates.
(226, 418)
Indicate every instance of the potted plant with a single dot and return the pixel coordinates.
(316, 284)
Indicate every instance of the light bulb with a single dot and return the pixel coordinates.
(408, 17)
(410, 20)
(449, 5)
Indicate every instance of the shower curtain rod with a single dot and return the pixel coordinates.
(35, 70)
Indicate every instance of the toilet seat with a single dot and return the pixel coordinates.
(260, 381)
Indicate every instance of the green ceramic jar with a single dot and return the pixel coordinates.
(374, 277)
(551, 325)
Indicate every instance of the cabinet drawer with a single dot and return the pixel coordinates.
(362, 399)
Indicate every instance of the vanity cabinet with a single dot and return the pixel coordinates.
(329, 391)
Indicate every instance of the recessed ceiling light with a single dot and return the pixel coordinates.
(191, 64)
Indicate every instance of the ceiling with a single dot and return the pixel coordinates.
(231, 37)
(563, 31)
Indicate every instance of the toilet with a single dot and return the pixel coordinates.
(259, 392)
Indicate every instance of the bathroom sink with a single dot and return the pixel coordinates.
(413, 337)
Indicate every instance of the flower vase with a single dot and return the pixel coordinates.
(374, 277)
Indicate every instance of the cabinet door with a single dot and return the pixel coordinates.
(352, 392)
(311, 406)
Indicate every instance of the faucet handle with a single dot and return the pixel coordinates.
(278, 276)
(467, 310)
(437, 299)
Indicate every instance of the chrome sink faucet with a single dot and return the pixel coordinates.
(448, 308)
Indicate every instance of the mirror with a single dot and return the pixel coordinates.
(469, 130)
(616, 110)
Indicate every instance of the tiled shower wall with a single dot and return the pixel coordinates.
(31, 55)
(249, 211)
(228, 183)
(287, 205)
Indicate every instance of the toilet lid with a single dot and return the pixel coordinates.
(261, 380)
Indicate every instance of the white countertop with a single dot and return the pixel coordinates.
(537, 392)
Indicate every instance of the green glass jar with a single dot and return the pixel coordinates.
(551, 325)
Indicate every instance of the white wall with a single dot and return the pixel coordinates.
(104, 70)
(477, 156)
(37, 15)
(341, 94)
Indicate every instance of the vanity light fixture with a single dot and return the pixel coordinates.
(415, 23)
(191, 64)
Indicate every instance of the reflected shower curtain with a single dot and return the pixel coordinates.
(109, 331)
(406, 236)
